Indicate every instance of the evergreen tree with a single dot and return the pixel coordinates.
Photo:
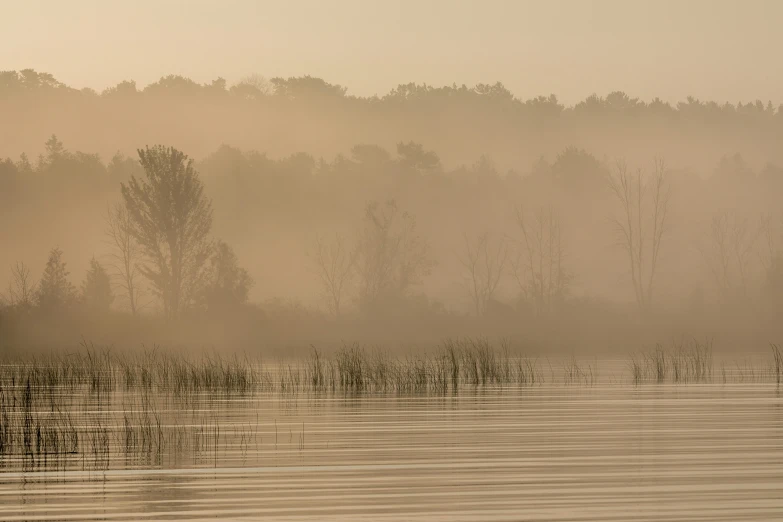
(54, 290)
(54, 148)
(96, 288)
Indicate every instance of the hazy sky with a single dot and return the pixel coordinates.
(710, 49)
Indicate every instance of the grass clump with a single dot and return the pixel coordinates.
(682, 362)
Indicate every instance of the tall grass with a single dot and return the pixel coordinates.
(683, 362)
(777, 362)
(97, 404)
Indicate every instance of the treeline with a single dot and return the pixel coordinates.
(287, 115)
(385, 239)
(256, 87)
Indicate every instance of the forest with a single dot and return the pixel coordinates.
(429, 212)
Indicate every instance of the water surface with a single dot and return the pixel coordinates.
(551, 452)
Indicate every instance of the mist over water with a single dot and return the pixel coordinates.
(502, 200)
(391, 260)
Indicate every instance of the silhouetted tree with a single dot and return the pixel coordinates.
(306, 87)
(334, 263)
(55, 292)
(124, 88)
(254, 87)
(413, 156)
(774, 283)
(21, 291)
(539, 266)
(227, 284)
(171, 220)
(54, 148)
(371, 156)
(391, 256)
(733, 170)
(173, 84)
(484, 170)
(728, 254)
(644, 203)
(54, 152)
(122, 168)
(125, 253)
(771, 235)
(484, 263)
(96, 288)
(30, 82)
(578, 170)
(24, 166)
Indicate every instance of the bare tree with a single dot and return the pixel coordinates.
(771, 235)
(484, 263)
(125, 254)
(644, 202)
(731, 243)
(390, 256)
(257, 82)
(539, 266)
(334, 263)
(21, 289)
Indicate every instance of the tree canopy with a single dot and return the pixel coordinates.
(171, 221)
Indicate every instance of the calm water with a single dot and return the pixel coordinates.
(609, 452)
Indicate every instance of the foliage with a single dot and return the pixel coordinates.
(172, 218)
(55, 292)
(413, 156)
(227, 284)
(96, 288)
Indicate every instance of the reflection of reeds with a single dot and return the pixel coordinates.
(101, 372)
(96, 405)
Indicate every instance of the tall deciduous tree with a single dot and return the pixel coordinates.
(333, 262)
(125, 253)
(171, 221)
(539, 266)
(728, 254)
(484, 263)
(390, 255)
(644, 209)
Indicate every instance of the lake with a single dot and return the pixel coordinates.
(552, 451)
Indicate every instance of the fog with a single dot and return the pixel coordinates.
(565, 221)
(717, 50)
(391, 260)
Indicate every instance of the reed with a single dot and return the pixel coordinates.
(683, 362)
(95, 405)
(777, 364)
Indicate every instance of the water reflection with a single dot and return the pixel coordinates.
(695, 452)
